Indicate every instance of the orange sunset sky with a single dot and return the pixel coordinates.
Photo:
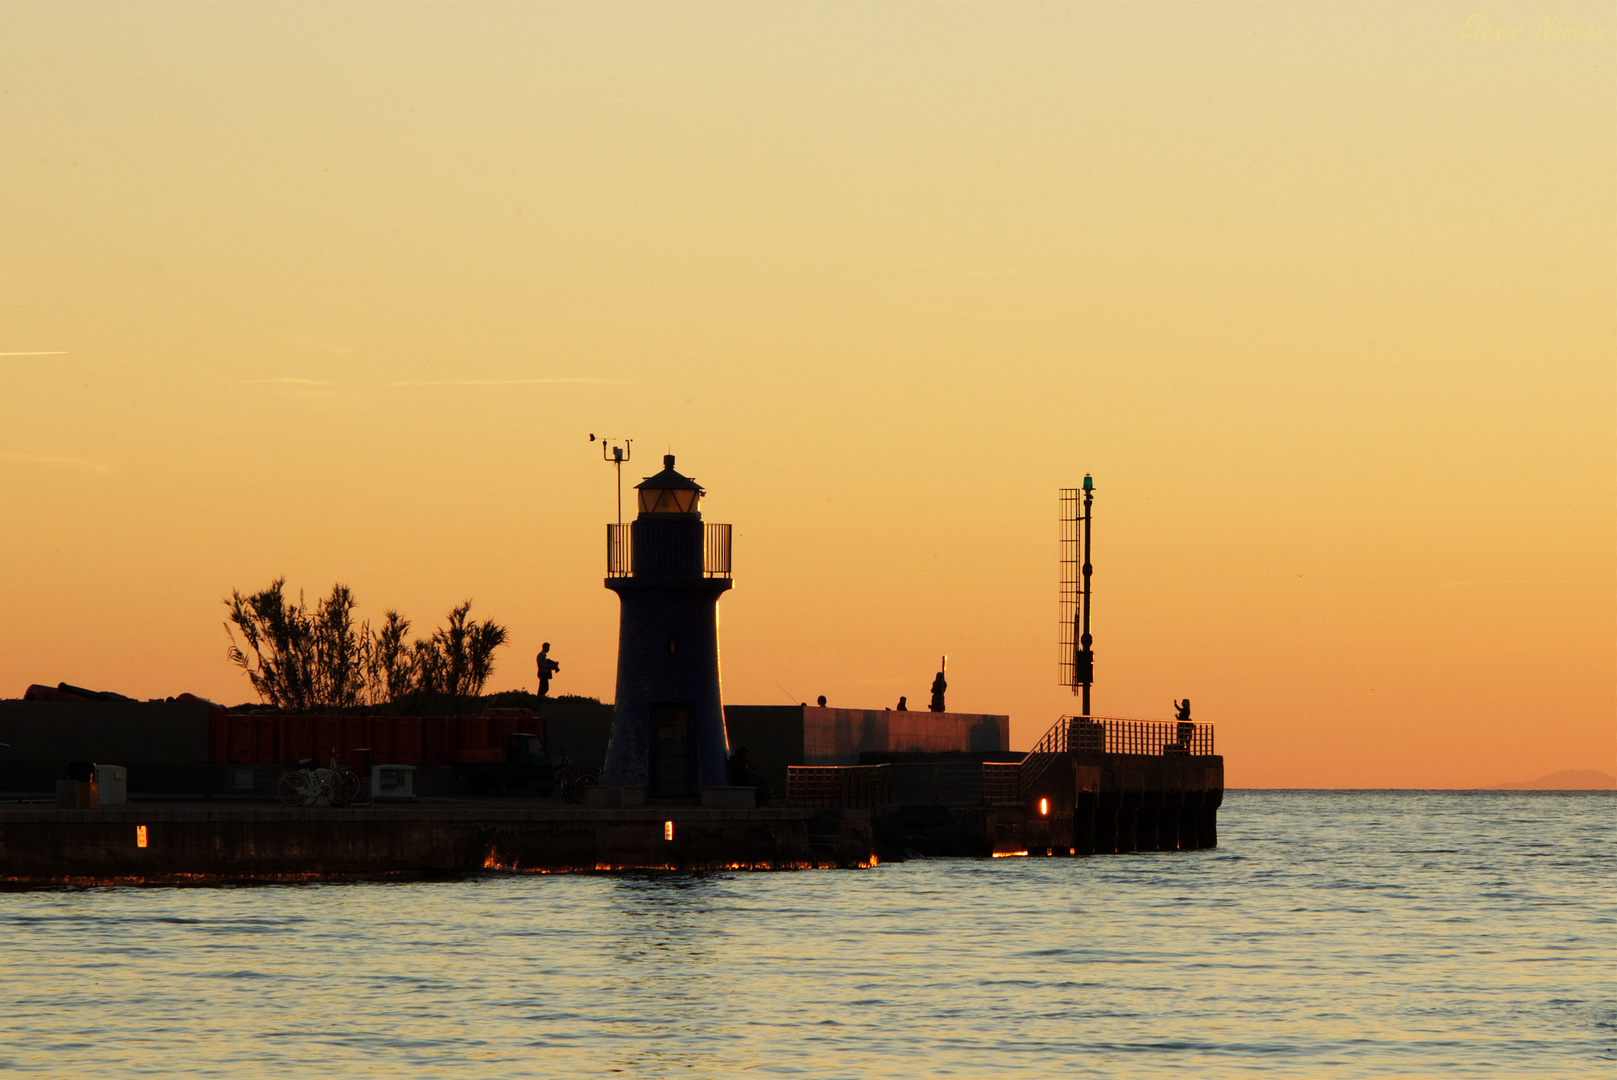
(1322, 295)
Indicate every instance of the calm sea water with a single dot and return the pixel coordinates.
(1332, 935)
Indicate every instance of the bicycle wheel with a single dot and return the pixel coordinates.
(344, 786)
(293, 789)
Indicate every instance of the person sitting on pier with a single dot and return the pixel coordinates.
(903, 704)
(1182, 717)
(939, 685)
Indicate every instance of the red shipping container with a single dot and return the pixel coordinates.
(471, 733)
(297, 738)
(327, 737)
(241, 740)
(435, 740)
(218, 737)
(382, 739)
(406, 741)
(264, 740)
(355, 732)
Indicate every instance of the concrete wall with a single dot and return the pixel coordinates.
(581, 728)
(773, 736)
(780, 735)
(150, 738)
(223, 844)
(839, 736)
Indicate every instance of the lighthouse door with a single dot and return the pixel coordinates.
(671, 752)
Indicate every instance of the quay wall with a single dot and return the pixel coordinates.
(205, 845)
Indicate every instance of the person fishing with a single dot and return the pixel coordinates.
(939, 685)
(1182, 718)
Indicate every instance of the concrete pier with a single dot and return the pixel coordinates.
(1096, 803)
(162, 844)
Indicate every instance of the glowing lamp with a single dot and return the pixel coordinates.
(140, 836)
(1044, 807)
(668, 492)
(668, 830)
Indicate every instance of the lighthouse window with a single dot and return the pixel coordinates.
(673, 644)
(669, 500)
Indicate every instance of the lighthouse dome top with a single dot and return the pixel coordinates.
(668, 492)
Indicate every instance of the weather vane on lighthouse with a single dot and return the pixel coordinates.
(615, 452)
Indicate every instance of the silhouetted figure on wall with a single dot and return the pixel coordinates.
(741, 775)
(822, 701)
(1182, 717)
(939, 685)
(903, 704)
(547, 668)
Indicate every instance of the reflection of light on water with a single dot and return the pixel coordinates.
(1009, 854)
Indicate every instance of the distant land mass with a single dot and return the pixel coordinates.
(1566, 780)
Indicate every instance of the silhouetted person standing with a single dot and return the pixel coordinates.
(822, 701)
(1182, 717)
(903, 705)
(939, 685)
(547, 668)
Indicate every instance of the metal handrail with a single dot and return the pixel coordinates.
(848, 786)
(619, 553)
(1114, 735)
(716, 550)
(1120, 735)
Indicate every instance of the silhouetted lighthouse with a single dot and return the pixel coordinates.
(668, 569)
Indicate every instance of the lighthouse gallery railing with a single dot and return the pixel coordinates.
(715, 551)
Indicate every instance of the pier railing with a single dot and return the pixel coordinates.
(839, 785)
(715, 550)
(1114, 735)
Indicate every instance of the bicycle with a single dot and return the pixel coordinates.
(573, 785)
(334, 785)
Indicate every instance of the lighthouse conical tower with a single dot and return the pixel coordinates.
(668, 568)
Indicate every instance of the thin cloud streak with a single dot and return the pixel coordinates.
(504, 382)
(290, 381)
(71, 462)
(1517, 581)
(272, 382)
(44, 352)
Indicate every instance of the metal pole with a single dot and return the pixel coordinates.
(1084, 641)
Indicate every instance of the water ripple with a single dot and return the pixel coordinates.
(1343, 934)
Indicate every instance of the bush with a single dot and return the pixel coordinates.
(303, 661)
